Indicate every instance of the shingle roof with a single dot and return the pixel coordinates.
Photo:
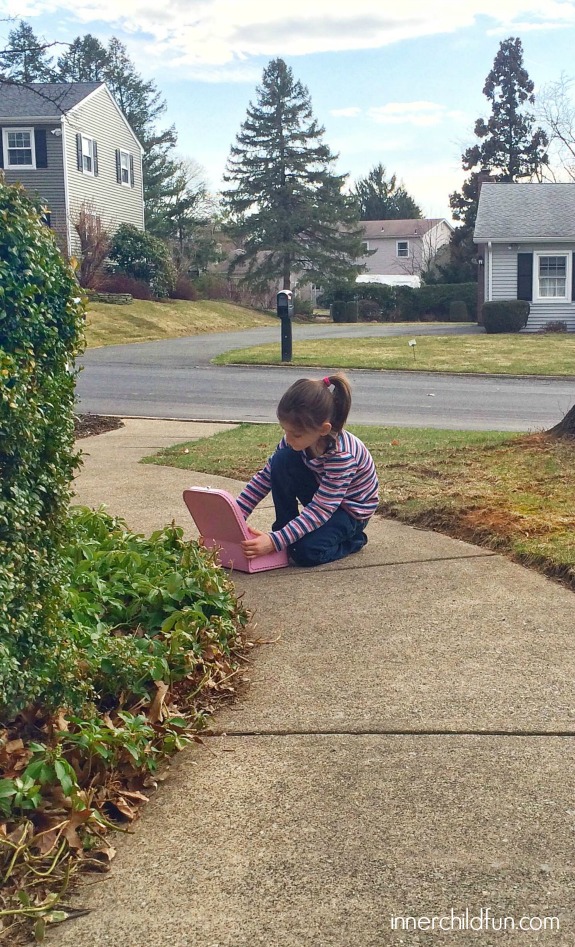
(521, 211)
(398, 228)
(42, 99)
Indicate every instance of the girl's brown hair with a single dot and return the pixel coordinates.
(310, 402)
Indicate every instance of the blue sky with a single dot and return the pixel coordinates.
(391, 83)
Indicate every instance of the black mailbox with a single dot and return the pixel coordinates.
(284, 303)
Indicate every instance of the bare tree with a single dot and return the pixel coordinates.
(557, 113)
(425, 254)
(94, 243)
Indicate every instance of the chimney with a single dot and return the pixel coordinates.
(483, 177)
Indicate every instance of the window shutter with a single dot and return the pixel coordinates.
(118, 167)
(131, 171)
(1, 148)
(525, 276)
(40, 146)
(95, 153)
(79, 152)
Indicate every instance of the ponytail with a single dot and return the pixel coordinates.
(310, 402)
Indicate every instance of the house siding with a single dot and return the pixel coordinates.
(114, 203)
(45, 183)
(504, 283)
(385, 262)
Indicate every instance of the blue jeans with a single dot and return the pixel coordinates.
(339, 537)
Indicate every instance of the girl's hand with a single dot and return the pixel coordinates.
(262, 545)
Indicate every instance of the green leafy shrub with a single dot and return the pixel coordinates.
(337, 310)
(434, 300)
(144, 257)
(369, 310)
(303, 307)
(406, 303)
(458, 311)
(139, 610)
(505, 315)
(41, 323)
(351, 311)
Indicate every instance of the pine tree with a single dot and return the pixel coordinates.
(379, 199)
(287, 211)
(25, 58)
(511, 148)
(84, 61)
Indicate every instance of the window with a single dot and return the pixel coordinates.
(403, 247)
(125, 168)
(19, 147)
(552, 276)
(365, 244)
(87, 155)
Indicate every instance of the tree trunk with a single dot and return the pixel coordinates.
(566, 427)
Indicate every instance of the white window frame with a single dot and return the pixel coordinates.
(87, 152)
(18, 167)
(402, 256)
(536, 277)
(126, 155)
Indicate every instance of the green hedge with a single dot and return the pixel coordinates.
(405, 303)
(41, 321)
(505, 315)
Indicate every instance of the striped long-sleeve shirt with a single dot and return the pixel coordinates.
(346, 477)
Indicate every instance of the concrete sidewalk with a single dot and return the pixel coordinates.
(406, 748)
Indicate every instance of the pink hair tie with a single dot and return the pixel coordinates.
(327, 381)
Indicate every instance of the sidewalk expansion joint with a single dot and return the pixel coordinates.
(360, 732)
(396, 562)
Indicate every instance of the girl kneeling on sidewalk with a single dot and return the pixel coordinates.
(328, 470)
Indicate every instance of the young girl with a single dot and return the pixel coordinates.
(328, 470)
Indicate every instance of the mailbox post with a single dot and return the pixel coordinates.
(284, 303)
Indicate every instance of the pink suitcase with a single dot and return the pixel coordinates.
(221, 523)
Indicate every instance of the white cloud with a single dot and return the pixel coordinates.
(421, 114)
(200, 34)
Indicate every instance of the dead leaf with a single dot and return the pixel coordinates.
(77, 818)
(156, 711)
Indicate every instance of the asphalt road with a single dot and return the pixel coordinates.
(174, 379)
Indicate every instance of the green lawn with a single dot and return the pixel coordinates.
(513, 493)
(546, 354)
(144, 321)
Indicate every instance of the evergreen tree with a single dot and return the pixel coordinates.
(287, 211)
(511, 148)
(25, 58)
(84, 61)
(379, 199)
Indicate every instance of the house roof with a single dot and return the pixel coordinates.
(43, 99)
(399, 228)
(521, 212)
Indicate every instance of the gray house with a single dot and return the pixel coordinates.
(402, 249)
(69, 144)
(526, 243)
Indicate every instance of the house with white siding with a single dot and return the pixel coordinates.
(70, 145)
(401, 250)
(526, 245)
